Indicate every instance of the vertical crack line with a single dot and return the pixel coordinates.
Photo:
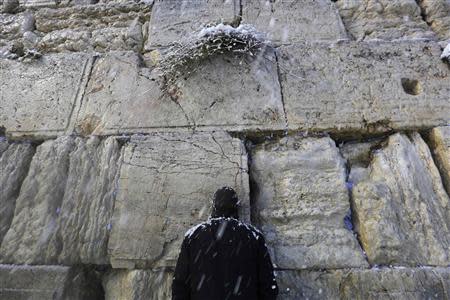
(277, 61)
(82, 86)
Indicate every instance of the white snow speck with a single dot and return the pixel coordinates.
(274, 287)
(446, 53)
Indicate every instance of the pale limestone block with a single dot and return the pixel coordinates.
(384, 19)
(401, 210)
(173, 20)
(38, 97)
(166, 185)
(366, 87)
(301, 200)
(287, 21)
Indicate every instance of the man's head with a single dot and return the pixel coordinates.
(225, 203)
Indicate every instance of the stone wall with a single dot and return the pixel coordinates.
(119, 120)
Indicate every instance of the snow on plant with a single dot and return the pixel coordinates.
(183, 58)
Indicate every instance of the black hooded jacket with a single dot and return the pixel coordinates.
(224, 258)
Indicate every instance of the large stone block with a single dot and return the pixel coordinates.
(383, 19)
(300, 203)
(190, 15)
(14, 163)
(401, 210)
(385, 283)
(166, 185)
(364, 87)
(138, 284)
(48, 282)
(440, 144)
(287, 21)
(38, 97)
(62, 214)
(437, 15)
(124, 97)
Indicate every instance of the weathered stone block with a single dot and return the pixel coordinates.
(138, 284)
(301, 201)
(402, 212)
(190, 16)
(287, 21)
(92, 17)
(364, 87)
(437, 15)
(14, 163)
(63, 211)
(47, 282)
(38, 97)
(385, 283)
(440, 144)
(166, 185)
(383, 19)
(123, 97)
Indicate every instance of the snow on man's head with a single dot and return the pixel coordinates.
(225, 202)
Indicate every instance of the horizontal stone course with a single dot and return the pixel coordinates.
(122, 96)
(364, 87)
(190, 15)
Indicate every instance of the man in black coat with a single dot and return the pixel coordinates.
(224, 258)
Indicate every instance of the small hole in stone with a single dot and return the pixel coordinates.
(411, 86)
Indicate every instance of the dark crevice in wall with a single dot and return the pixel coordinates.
(423, 13)
(253, 187)
(349, 219)
(442, 173)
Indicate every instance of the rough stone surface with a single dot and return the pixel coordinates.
(287, 21)
(300, 203)
(402, 212)
(38, 97)
(101, 27)
(437, 15)
(190, 16)
(440, 144)
(386, 85)
(383, 19)
(47, 282)
(384, 283)
(63, 211)
(138, 284)
(123, 97)
(14, 163)
(166, 185)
